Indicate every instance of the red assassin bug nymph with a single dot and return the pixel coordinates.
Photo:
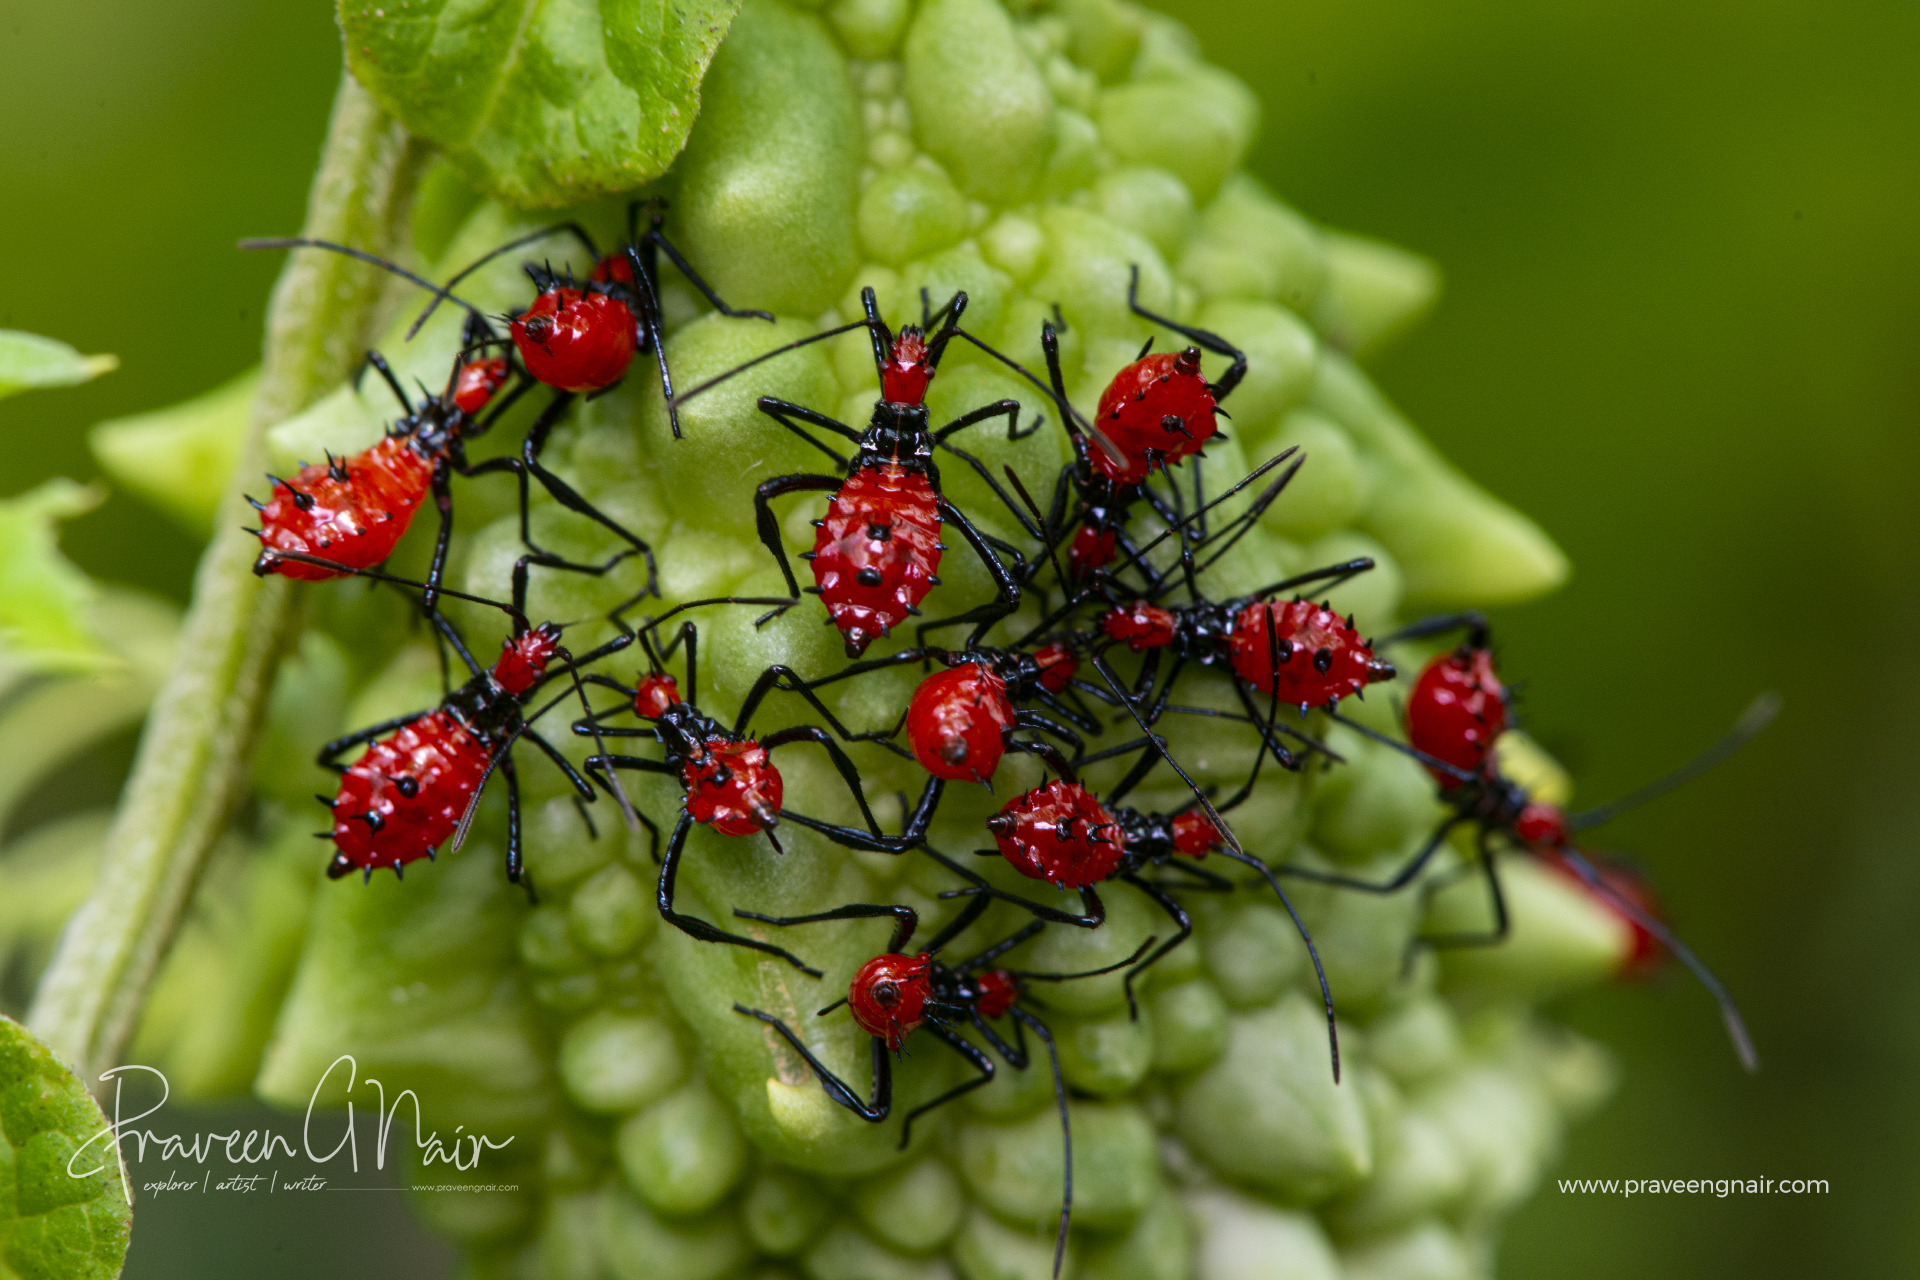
(727, 779)
(1152, 414)
(1457, 710)
(1061, 833)
(876, 555)
(894, 995)
(420, 779)
(569, 337)
(961, 721)
(334, 520)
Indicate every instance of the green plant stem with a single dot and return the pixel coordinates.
(194, 760)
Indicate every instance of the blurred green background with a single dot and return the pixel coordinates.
(1682, 244)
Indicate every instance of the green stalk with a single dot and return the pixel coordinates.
(194, 761)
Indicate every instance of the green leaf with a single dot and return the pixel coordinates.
(180, 458)
(44, 599)
(54, 1225)
(28, 360)
(541, 102)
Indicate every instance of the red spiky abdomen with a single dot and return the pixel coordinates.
(1303, 653)
(1159, 409)
(876, 553)
(1457, 712)
(1060, 833)
(355, 521)
(416, 784)
(733, 787)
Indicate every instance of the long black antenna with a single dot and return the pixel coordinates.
(1759, 713)
(299, 242)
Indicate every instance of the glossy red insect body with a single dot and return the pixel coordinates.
(1156, 411)
(420, 775)
(961, 722)
(1453, 724)
(352, 511)
(894, 994)
(1059, 832)
(576, 341)
(1457, 711)
(888, 997)
(728, 780)
(876, 555)
(1296, 652)
(1302, 654)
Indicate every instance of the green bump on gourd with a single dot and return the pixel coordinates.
(1197, 126)
(909, 212)
(1088, 264)
(915, 1209)
(1103, 35)
(1282, 353)
(634, 1244)
(1158, 1246)
(979, 105)
(1014, 1169)
(989, 1250)
(612, 912)
(1504, 1129)
(1418, 1171)
(1334, 483)
(1131, 920)
(1243, 1239)
(1252, 952)
(612, 1063)
(1251, 246)
(1428, 1251)
(682, 1154)
(1106, 1056)
(1189, 1026)
(869, 29)
(845, 1254)
(1268, 1113)
(1456, 543)
(1148, 201)
(783, 1211)
(767, 182)
(1375, 293)
(1562, 938)
(1415, 1041)
(1381, 799)
(728, 445)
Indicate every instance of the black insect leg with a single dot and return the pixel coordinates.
(516, 868)
(1007, 587)
(769, 526)
(849, 774)
(693, 926)
(1199, 337)
(905, 919)
(1183, 924)
(980, 1062)
(837, 1089)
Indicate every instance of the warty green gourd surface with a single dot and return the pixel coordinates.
(1031, 156)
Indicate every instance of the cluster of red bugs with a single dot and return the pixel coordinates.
(1046, 693)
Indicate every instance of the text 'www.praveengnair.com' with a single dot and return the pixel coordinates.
(1720, 1187)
